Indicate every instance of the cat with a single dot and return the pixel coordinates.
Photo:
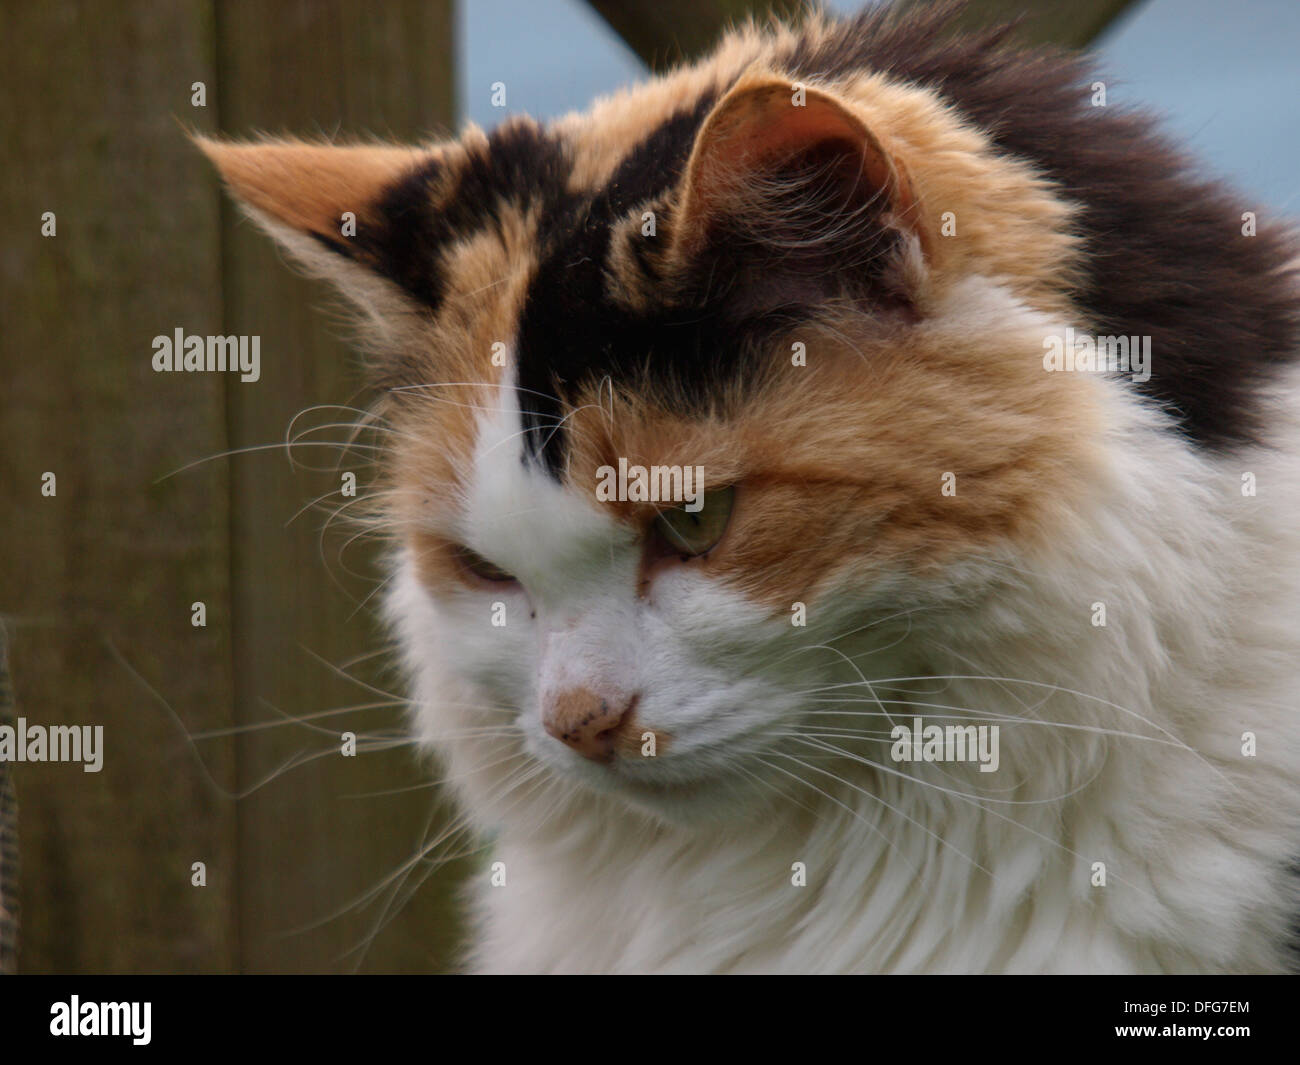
(978, 651)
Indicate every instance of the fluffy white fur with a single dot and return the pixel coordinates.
(1120, 744)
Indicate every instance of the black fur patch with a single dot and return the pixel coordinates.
(759, 273)
(571, 330)
(1167, 258)
(419, 218)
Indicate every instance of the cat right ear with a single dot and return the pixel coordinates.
(351, 214)
(788, 197)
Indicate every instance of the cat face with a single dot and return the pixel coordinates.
(689, 429)
(662, 655)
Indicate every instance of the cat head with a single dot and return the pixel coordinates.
(700, 407)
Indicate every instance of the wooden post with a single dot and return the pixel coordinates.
(101, 559)
(9, 908)
(306, 848)
(99, 578)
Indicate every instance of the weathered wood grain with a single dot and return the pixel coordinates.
(116, 557)
(306, 847)
(97, 582)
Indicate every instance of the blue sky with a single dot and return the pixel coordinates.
(1224, 76)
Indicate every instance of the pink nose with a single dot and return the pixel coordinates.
(591, 724)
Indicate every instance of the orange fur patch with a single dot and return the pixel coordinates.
(840, 463)
(308, 186)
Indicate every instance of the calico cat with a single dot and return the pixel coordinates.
(973, 647)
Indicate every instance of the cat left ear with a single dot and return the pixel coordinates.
(788, 189)
(332, 207)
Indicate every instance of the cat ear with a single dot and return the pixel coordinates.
(790, 193)
(339, 211)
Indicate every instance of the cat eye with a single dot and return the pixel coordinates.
(694, 533)
(480, 566)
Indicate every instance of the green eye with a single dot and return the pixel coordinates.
(480, 566)
(688, 533)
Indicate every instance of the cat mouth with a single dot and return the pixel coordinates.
(651, 787)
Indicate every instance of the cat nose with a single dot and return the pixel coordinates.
(591, 724)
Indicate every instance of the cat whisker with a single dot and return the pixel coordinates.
(964, 713)
(845, 635)
(398, 901)
(979, 803)
(350, 677)
(555, 427)
(486, 385)
(822, 744)
(876, 798)
(263, 447)
(505, 733)
(457, 823)
(844, 806)
(259, 726)
(861, 676)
